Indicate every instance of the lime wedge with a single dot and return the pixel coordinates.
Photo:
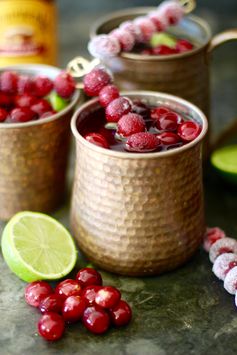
(57, 102)
(225, 161)
(37, 247)
(162, 38)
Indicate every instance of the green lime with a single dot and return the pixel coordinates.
(162, 38)
(225, 161)
(57, 102)
(37, 247)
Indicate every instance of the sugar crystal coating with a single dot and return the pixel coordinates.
(146, 26)
(172, 11)
(125, 38)
(223, 264)
(104, 46)
(221, 246)
(230, 282)
(211, 236)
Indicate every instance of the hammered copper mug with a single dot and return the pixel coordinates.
(33, 156)
(134, 213)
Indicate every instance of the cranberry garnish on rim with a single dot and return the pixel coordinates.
(189, 130)
(95, 81)
(88, 276)
(73, 308)
(36, 291)
(68, 287)
(108, 94)
(130, 124)
(107, 297)
(96, 319)
(89, 293)
(117, 108)
(42, 86)
(64, 85)
(142, 142)
(97, 139)
(51, 326)
(51, 303)
(121, 314)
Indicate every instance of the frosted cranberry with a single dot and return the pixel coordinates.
(42, 86)
(5, 100)
(9, 81)
(95, 81)
(22, 114)
(221, 246)
(142, 142)
(36, 291)
(130, 124)
(89, 292)
(168, 122)
(189, 130)
(134, 29)
(25, 85)
(183, 45)
(64, 85)
(107, 297)
(159, 21)
(117, 108)
(104, 46)
(121, 314)
(108, 94)
(211, 236)
(68, 287)
(125, 38)
(223, 264)
(230, 282)
(164, 50)
(3, 115)
(41, 106)
(146, 26)
(73, 308)
(158, 112)
(51, 326)
(169, 138)
(97, 139)
(25, 100)
(96, 320)
(88, 276)
(172, 11)
(51, 303)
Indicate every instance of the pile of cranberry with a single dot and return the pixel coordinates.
(83, 299)
(182, 45)
(25, 98)
(137, 127)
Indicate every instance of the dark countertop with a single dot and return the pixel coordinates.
(179, 313)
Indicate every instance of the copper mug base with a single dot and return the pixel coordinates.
(138, 214)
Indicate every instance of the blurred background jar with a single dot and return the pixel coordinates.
(28, 32)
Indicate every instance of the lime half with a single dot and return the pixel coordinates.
(162, 38)
(37, 247)
(225, 161)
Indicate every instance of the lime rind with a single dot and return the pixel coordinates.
(224, 160)
(57, 102)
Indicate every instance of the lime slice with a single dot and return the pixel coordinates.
(57, 102)
(37, 247)
(162, 38)
(225, 161)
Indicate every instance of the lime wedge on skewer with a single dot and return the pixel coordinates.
(37, 247)
(225, 162)
(162, 38)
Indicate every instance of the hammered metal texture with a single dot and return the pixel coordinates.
(137, 216)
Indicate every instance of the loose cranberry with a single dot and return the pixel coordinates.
(48, 114)
(221, 246)
(41, 106)
(95, 81)
(43, 86)
(126, 39)
(96, 320)
(73, 308)
(146, 26)
(3, 115)
(52, 303)
(147, 51)
(169, 138)
(68, 287)
(164, 50)
(107, 297)
(230, 282)
(25, 85)
(9, 81)
(89, 293)
(168, 122)
(211, 236)
(51, 326)
(36, 291)
(183, 45)
(117, 108)
(6, 101)
(189, 130)
(88, 276)
(25, 100)
(158, 112)
(64, 85)
(22, 114)
(97, 139)
(108, 94)
(130, 124)
(223, 264)
(121, 314)
(142, 142)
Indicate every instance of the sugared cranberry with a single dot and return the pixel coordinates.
(108, 94)
(43, 86)
(171, 10)
(146, 26)
(183, 45)
(104, 46)
(3, 115)
(95, 81)
(224, 263)
(158, 112)
(97, 139)
(169, 138)
(89, 292)
(164, 50)
(22, 114)
(64, 85)
(230, 282)
(168, 122)
(189, 130)
(125, 38)
(36, 291)
(121, 314)
(134, 29)
(25, 85)
(41, 106)
(107, 297)
(96, 320)
(159, 21)
(25, 100)
(130, 124)
(117, 108)
(8, 81)
(51, 303)
(68, 287)
(51, 326)
(73, 308)
(88, 276)
(211, 236)
(221, 246)
(6, 101)
(142, 142)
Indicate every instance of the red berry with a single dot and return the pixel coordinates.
(24, 100)
(43, 86)
(96, 320)
(73, 308)
(95, 81)
(169, 138)
(126, 39)
(107, 297)
(51, 326)
(183, 45)
(9, 81)
(36, 291)
(121, 314)
(117, 108)
(97, 139)
(147, 51)
(25, 85)
(211, 236)
(88, 276)
(68, 288)
(130, 124)
(52, 303)
(22, 114)
(164, 50)
(6, 100)
(146, 26)
(48, 114)
(158, 20)
(142, 142)
(158, 112)
(89, 292)
(108, 94)
(3, 115)
(168, 122)
(64, 85)
(41, 106)
(189, 130)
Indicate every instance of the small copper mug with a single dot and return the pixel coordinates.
(33, 157)
(138, 214)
